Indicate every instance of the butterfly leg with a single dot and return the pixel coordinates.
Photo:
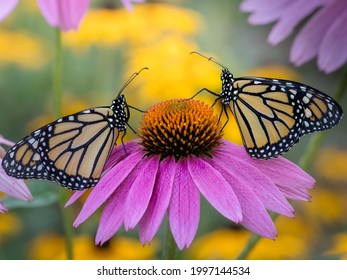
(122, 140)
(205, 89)
(226, 114)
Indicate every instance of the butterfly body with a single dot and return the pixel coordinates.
(273, 114)
(71, 150)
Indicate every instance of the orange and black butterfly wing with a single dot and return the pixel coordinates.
(268, 114)
(321, 111)
(71, 151)
(23, 160)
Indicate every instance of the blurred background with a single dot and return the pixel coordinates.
(111, 44)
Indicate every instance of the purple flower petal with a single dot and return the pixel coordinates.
(12, 186)
(291, 17)
(107, 185)
(6, 7)
(266, 11)
(306, 44)
(254, 214)
(140, 193)
(262, 186)
(112, 216)
(333, 50)
(215, 188)
(151, 220)
(184, 208)
(76, 195)
(64, 14)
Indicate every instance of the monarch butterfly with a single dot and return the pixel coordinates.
(73, 149)
(272, 114)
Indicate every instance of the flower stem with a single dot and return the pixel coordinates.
(57, 88)
(170, 249)
(57, 74)
(304, 162)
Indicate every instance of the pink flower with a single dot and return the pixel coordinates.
(128, 3)
(179, 157)
(9, 185)
(324, 35)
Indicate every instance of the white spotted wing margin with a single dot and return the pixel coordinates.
(71, 151)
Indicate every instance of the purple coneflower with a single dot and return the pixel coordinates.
(179, 156)
(9, 185)
(324, 35)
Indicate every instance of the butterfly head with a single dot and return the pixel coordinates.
(227, 86)
(121, 112)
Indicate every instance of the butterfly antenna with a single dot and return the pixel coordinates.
(132, 77)
(211, 59)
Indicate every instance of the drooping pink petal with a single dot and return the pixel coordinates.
(265, 12)
(3, 209)
(333, 51)
(128, 3)
(215, 188)
(64, 14)
(107, 185)
(184, 207)
(140, 193)
(291, 17)
(262, 185)
(254, 214)
(76, 195)
(151, 220)
(6, 7)
(296, 182)
(112, 216)
(306, 44)
(12, 186)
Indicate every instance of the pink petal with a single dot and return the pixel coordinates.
(13, 187)
(140, 192)
(6, 7)
(306, 44)
(215, 188)
(107, 185)
(265, 12)
(291, 17)
(3, 209)
(75, 196)
(6, 142)
(151, 220)
(184, 208)
(262, 186)
(293, 184)
(64, 14)
(254, 214)
(112, 216)
(333, 50)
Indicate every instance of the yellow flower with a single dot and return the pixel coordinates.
(10, 224)
(172, 72)
(52, 247)
(228, 244)
(327, 207)
(339, 247)
(331, 164)
(144, 25)
(22, 49)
